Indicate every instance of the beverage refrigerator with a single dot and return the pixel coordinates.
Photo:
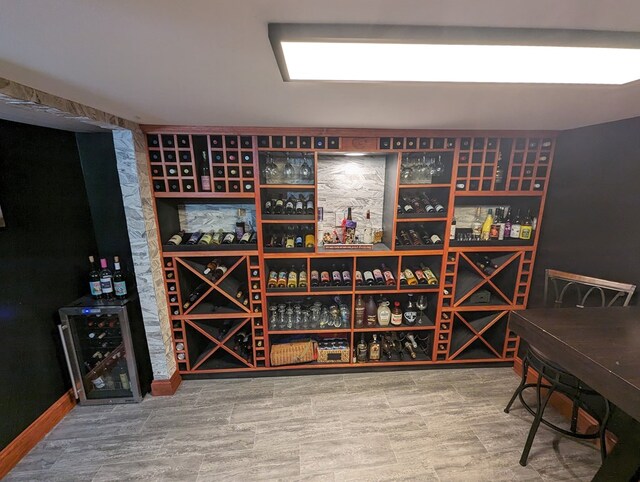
(105, 349)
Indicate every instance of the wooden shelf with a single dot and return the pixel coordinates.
(463, 332)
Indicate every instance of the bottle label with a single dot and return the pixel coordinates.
(494, 232)
(336, 276)
(293, 279)
(501, 227)
(384, 315)
(358, 276)
(95, 287)
(302, 277)
(396, 319)
(388, 276)
(309, 240)
(245, 237)
(314, 275)
(120, 288)
(452, 232)
(324, 276)
(289, 205)
(515, 230)
(346, 276)
(377, 274)
(368, 275)
(107, 285)
(410, 317)
(419, 274)
(175, 239)
(299, 206)
(359, 315)
(435, 239)
(206, 183)
(525, 232)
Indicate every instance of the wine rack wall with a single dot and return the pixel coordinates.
(466, 311)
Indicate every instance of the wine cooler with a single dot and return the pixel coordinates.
(105, 350)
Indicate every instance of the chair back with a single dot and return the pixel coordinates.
(589, 291)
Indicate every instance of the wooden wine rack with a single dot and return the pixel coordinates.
(463, 332)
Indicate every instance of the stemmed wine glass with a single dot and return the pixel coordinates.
(305, 170)
(422, 304)
(270, 169)
(406, 174)
(288, 170)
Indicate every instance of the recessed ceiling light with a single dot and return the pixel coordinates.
(356, 53)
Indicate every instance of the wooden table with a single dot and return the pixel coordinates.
(601, 346)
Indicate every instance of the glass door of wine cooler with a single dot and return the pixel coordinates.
(99, 352)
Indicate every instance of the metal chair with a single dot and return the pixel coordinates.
(551, 376)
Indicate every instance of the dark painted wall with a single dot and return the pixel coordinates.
(43, 265)
(100, 169)
(592, 217)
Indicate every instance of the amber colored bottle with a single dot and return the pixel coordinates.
(396, 314)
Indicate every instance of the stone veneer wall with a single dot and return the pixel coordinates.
(136, 190)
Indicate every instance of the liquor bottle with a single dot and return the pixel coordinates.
(246, 237)
(438, 207)
(476, 225)
(361, 350)
(268, 206)
(195, 294)
(302, 277)
(119, 281)
(396, 314)
(289, 206)
(272, 282)
(219, 272)
(194, 238)
(282, 278)
(359, 309)
(374, 349)
(309, 237)
(368, 278)
(292, 278)
(452, 229)
(94, 280)
(346, 275)
(229, 238)
(315, 277)
(216, 240)
(389, 279)
(410, 314)
(432, 279)
(384, 313)
(507, 225)
(410, 277)
(420, 276)
(106, 279)
(309, 208)
(515, 226)
(336, 278)
(378, 277)
(279, 207)
(371, 312)
(526, 229)
(176, 239)
(359, 278)
(211, 266)
(486, 226)
(205, 179)
(325, 278)
(300, 205)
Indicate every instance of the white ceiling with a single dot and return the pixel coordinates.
(205, 62)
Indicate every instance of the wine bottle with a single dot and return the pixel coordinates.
(359, 309)
(290, 238)
(217, 237)
(119, 281)
(420, 276)
(359, 278)
(315, 278)
(377, 276)
(403, 279)
(435, 239)
(106, 279)
(515, 226)
(94, 280)
(396, 314)
(246, 237)
(242, 295)
(494, 231)
(229, 238)
(309, 208)
(205, 179)
(389, 279)
(309, 237)
(272, 282)
(176, 239)
(282, 278)
(404, 238)
(289, 206)
(268, 206)
(279, 207)
(292, 278)
(371, 312)
(428, 206)
(211, 266)
(415, 239)
(219, 272)
(432, 279)
(368, 278)
(195, 294)
(300, 204)
(452, 229)
(302, 277)
(410, 314)
(507, 225)
(346, 275)
(418, 208)
(410, 277)
(325, 279)
(438, 207)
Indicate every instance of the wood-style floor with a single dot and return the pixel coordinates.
(440, 425)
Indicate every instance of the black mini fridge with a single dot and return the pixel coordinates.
(106, 350)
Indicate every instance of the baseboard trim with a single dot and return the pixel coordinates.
(586, 423)
(167, 387)
(23, 443)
